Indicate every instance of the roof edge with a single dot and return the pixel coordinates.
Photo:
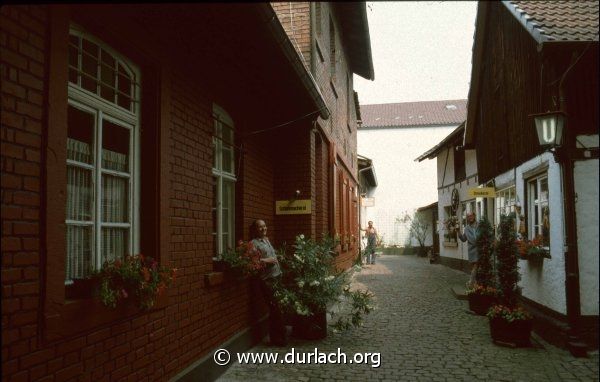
(432, 152)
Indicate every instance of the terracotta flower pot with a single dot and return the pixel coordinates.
(516, 332)
(480, 304)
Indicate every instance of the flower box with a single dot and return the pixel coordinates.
(515, 332)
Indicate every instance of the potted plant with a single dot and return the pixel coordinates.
(510, 324)
(533, 249)
(311, 285)
(241, 261)
(508, 321)
(135, 277)
(483, 294)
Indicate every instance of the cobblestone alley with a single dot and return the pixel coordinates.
(423, 334)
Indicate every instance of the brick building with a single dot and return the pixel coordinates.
(165, 131)
(333, 41)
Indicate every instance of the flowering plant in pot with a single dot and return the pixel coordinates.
(136, 277)
(533, 249)
(483, 294)
(508, 321)
(310, 285)
(243, 260)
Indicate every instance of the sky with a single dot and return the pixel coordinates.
(421, 51)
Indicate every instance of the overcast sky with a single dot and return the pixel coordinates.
(421, 51)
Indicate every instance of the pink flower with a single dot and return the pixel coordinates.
(124, 293)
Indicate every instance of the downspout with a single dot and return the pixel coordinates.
(574, 343)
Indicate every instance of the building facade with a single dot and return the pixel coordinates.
(456, 176)
(333, 40)
(526, 63)
(393, 135)
(165, 132)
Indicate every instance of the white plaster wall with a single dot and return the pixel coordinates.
(586, 210)
(431, 231)
(446, 183)
(543, 282)
(403, 185)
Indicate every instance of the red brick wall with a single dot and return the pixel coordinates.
(341, 126)
(196, 318)
(22, 41)
(295, 19)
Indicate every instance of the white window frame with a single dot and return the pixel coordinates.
(221, 176)
(504, 203)
(536, 205)
(104, 110)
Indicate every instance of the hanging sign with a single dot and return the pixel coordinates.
(482, 192)
(292, 207)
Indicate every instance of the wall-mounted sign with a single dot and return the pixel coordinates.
(482, 192)
(292, 207)
(367, 202)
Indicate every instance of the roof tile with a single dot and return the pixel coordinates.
(561, 20)
(414, 113)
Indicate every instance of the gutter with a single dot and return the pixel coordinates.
(275, 27)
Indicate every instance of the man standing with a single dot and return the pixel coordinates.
(270, 274)
(470, 236)
(371, 234)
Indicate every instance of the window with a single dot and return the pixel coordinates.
(538, 209)
(331, 49)
(459, 165)
(223, 180)
(102, 212)
(504, 203)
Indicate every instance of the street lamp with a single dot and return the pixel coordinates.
(549, 127)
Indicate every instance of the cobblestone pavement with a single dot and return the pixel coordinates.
(423, 334)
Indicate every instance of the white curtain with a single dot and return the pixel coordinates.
(79, 210)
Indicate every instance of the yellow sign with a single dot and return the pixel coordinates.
(292, 207)
(482, 192)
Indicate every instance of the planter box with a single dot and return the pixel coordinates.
(310, 327)
(515, 332)
(480, 304)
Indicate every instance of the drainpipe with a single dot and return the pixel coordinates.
(574, 343)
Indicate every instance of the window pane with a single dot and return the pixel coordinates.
(79, 252)
(124, 87)
(89, 66)
(227, 212)
(79, 194)
(215, 143)
(114, 243)
(228, 159)
(544, 190)
(80, 130)
(115, 199)
(115, 147)
(73, 58)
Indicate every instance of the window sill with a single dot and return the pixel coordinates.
(78, 316)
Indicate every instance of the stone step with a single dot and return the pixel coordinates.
(459, 291)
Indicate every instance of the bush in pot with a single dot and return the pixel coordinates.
(310, 285)
(509, 322)
(482, 295)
